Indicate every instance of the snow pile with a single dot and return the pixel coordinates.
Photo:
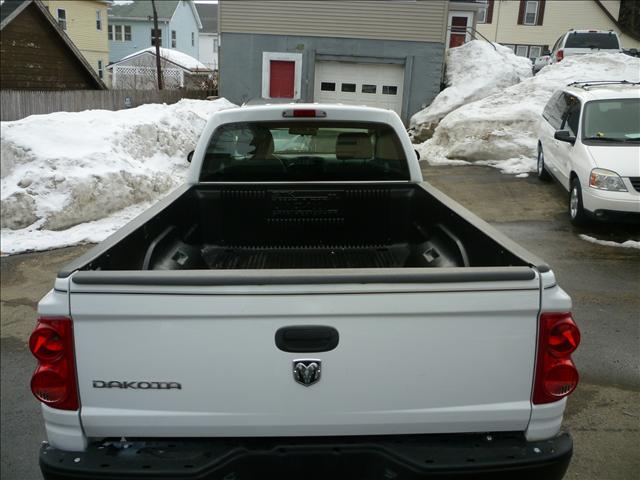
(474, 70)
(179, 58)
(608, 243)
(502, 129)
(64, 169)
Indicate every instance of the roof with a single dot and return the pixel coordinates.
(143, 10)
(209, 16)
(177, 58)
(16, 7)
(9, 10)
(604, 90)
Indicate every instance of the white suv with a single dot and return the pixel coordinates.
(580, 42)
(590, 142)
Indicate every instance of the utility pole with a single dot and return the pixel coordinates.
(156, 40)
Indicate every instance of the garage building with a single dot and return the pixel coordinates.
(383, 53)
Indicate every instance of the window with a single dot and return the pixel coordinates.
(110, 33)
(531, 13)
(511, 47)
(173, 39)
(573, 116)
(368, 89)
(555, 109)
(616, 118)
(98, 20)
(62, 18)
(328, 87)
(100, 71)
(120, 33)
(193, 39)
(535, 51)
(522, 50)
(156, 34)
(482, 13)
(348, 87)
(389, 90)
(318, 151)
(215, 45)
(604, 40)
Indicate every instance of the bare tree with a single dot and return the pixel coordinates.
(156, 40)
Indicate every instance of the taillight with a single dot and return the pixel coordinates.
(54, 381)
(556, 375)
(559, 55)
(304, 113)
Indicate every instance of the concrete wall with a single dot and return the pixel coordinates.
(240, 58)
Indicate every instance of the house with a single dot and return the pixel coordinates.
(36, 54)
(530, 27)
(131, 27)
(138, 71)
(380, 53)
(208, 36)
(86, 24)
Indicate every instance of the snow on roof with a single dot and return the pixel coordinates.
(174, 56)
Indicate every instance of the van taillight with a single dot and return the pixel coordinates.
(559, 55)
(54, 381)
(556, 375)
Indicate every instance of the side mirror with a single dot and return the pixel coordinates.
(564, 136)
(190, 156)
(417, 154)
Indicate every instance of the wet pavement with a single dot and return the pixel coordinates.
(603, 414)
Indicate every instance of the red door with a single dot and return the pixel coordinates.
(458, 31)
(281, 79)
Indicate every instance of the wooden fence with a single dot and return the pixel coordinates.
(17, 104)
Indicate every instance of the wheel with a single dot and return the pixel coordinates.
(543, 174)
(576, 210)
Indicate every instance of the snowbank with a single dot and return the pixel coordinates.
(64, 169)
(474, 70)
(608, 243)
(504, 126)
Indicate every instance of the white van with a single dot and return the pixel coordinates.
(590, 142)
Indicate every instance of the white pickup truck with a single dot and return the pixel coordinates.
(305, 306)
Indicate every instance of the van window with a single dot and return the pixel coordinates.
(592, 40)
(555, 109)
(614, 119)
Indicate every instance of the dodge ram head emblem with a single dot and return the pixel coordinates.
(306, 371)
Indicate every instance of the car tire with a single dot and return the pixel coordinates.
(541, 169)
(577, 213)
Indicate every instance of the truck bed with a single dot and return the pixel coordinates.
(303, 226)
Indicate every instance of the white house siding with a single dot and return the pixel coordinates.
(208, 51)
(559, 17)
(422, 20)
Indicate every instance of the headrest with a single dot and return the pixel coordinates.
(350, 145)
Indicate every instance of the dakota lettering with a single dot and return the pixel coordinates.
(133, 385)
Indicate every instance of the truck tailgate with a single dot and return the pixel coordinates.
(203, 361)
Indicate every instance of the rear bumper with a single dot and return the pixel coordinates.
(495, 456)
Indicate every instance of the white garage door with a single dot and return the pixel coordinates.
(371, 84)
